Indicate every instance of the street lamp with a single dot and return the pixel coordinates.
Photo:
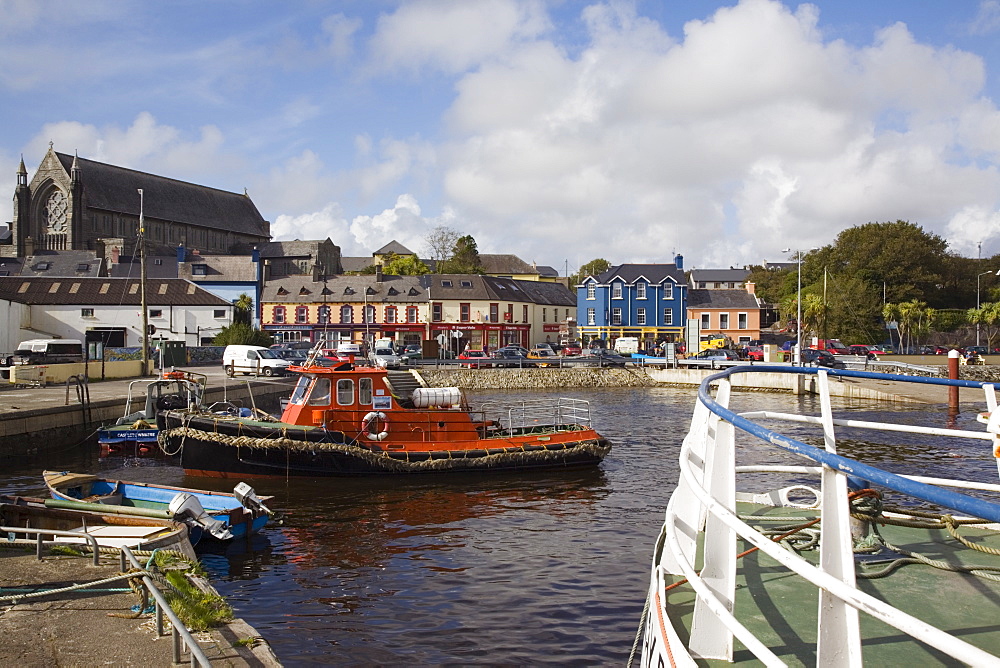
(798, 303)
(997, 273)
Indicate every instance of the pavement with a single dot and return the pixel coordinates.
(98, 628)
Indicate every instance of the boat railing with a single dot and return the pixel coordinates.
(562, 413)
(705, 502)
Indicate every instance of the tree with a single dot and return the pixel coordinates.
(464, 258)
(595, 267)
(769, 283)
(987, 316)
(913, 319)
(243, 309)
(404, 265)
(241, 333)
(440, 245)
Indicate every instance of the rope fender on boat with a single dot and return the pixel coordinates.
(385, 460)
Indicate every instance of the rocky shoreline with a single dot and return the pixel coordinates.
(542, 379)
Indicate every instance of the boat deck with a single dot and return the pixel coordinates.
(781, 608)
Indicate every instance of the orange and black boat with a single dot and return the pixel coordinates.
(351, 419)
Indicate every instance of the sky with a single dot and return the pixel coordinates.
(559, 131)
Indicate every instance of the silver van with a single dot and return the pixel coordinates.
(48, 351)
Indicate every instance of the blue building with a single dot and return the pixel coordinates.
(647, 301)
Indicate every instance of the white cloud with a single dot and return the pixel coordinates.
(987, 19)
(452, 36)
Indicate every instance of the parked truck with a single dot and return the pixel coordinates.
(834, 346)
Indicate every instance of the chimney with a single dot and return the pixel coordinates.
(679, 261)
(267, 270)
(181, 254)
(29, 246)
(751, 288)
(378, 273)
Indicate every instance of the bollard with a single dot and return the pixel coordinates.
(953, 374)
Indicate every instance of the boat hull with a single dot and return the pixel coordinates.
(242, 449)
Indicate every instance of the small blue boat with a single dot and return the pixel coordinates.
(220, 515)
(135, 432)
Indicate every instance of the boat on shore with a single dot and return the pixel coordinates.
(134, 434)
(218, 515)
(110, 529)
(831, 561)
(350, 419)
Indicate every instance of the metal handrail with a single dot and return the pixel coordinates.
(54, 532)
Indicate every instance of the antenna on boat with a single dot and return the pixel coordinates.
(142, 289)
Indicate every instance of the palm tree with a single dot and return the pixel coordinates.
(988, 317)
(244, 309)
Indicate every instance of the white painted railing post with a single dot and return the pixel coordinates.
(838, 632)
(710, 637)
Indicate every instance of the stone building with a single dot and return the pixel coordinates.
(72, 203)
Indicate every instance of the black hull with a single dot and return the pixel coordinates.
(239, 450)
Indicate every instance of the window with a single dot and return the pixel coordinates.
(524, 313)
(279, 314)
(155, 313)
(591, 291)
(411, 314)
(640, 316)
(390, 314)
(640, 290)
(219, 313)
(591, 316)
(320, 395)
(365, 391)
(616, 290)
(465, 312)
(668, 290)
(83, 266)
(86, 313)
(323, 315)
(668, 316)
(369, 313)
(345, 392)
(555, 315)
(706, 320)
(199, 269)
(445, 283)
(436, 312)
(741, 321)
(466, 284)
(301, 314)
(494, 312)
(616, 316)
(723, 321)
(346, 313)
(545, 314)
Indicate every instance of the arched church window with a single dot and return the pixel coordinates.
(56, 213)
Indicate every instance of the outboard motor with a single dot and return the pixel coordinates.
(188, 509)
(249, 500)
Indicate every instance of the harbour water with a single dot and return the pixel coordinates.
(539, 568)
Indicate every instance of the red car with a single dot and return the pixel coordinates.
(479, 356)
(571, 350)
(755, 353)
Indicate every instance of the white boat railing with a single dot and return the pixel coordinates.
(540, 413)
(704, 502)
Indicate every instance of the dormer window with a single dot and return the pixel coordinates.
(348, 290)
(370, 291)
(42, 266)
(413, 292)
(393, 292)
(304, 291)
(199, 270)
(466, 284)
(445, 284)
(282, 291)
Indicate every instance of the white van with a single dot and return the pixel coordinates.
(627, 345)
(48, 351)
(257, 360)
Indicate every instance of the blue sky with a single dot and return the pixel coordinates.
(559, 131)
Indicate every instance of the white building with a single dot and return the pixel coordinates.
(107, 310)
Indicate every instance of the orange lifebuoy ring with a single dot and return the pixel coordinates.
(375, 426)
(173, 375)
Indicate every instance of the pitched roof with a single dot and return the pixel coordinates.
(235, 268)
(393, 247)
(505, 264)
(706, 299)
(355, 263)
(62, 263)
(357, 288)
(719, 275)
(113, 188)
(295, 248)
(105, 292)
(478, 287)
(654, 273)
(157, 266)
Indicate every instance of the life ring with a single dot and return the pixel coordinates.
(368, 426)
(173, 375)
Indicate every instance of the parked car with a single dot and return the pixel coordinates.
(717, 354)
(821, 358)
(544, 346)
(571, 349)
(293, 355)
(412, 351)
(480, 358)
(755, 353)
(870, 352)
(978, 350)
(605, 357)
(543, 354)
(510, 357)
(519, 349)
(385, 357)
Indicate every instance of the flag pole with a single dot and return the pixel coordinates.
(142, 289)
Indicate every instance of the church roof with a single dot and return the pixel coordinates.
(113, 188)
(394, 247)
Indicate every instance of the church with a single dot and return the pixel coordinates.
(73, 203)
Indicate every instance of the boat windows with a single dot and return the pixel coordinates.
(345, 392)
(299, 393)
(365, 391)
(320, 395)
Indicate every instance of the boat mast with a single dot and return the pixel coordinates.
(142, 289)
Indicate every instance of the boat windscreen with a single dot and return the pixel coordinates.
(299, 393)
